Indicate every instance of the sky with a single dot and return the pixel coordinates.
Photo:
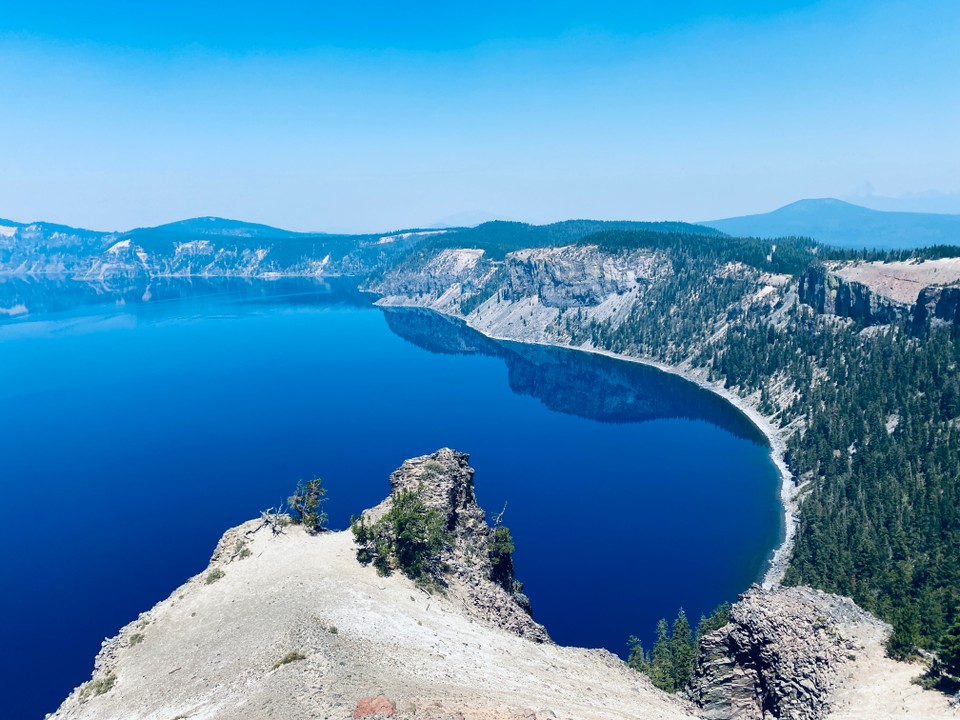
(382, 115)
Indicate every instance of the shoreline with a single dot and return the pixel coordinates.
(776, 563)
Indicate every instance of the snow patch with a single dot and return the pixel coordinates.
(117, 247)
(6, 231)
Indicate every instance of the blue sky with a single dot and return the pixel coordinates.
(388, 115)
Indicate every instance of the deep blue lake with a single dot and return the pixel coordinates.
(139, 422)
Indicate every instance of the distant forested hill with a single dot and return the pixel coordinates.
(841, 224)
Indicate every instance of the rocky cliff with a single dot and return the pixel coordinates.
(781, 655)
(830, 294)
(289, 625)
(444, 480)
(937, 305)
(528, 294)
(204, 247)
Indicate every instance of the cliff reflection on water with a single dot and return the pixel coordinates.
(587, 385)
(631, 492)
(582, 384)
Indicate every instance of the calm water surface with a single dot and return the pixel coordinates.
(133, 432)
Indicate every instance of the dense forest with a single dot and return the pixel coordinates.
(881, 449)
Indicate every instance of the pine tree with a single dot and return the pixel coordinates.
(637, 659)
(682, 651)
(661, 661)
(306, 503)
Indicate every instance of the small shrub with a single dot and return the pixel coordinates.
(500, 549)
(333, 630)
(241, 550)
(136, 639)
(213, 576)
(430, 469)
(98, 687)
(292, 656)
(306, 504)
(410, 537)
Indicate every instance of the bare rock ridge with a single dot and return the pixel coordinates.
(782, 655)
(445, 481)
(882, 293)
(289, 626)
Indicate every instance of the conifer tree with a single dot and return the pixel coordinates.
(682, 651)
(661, 660)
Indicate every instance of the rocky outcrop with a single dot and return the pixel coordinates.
(781, 656)
(444, 480)
(294, 627)
(464, 281)
(830, 294)
(577, 276)
(936, 305)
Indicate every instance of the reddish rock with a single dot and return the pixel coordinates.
(379, 706)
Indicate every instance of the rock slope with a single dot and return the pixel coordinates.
(292, 626)
(445, 481)
(780, 655)
(804, 654)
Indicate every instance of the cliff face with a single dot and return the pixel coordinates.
(781, 655)
(937, 304)
(528, 294)
(830, 294)
(445, 481)
(577, 276)
(896, 292)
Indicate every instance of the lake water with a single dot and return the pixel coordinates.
(134, 431)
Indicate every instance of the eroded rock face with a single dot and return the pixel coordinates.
(445, 481)
(830, 294)
(577, 276)
(780, 656)
(937, 304)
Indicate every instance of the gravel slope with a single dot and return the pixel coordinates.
(209, 650)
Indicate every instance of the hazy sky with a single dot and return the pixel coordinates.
(377, 116)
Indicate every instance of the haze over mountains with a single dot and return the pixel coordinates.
(842, 224)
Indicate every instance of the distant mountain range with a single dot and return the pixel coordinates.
(842, 224)
(209, 246)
